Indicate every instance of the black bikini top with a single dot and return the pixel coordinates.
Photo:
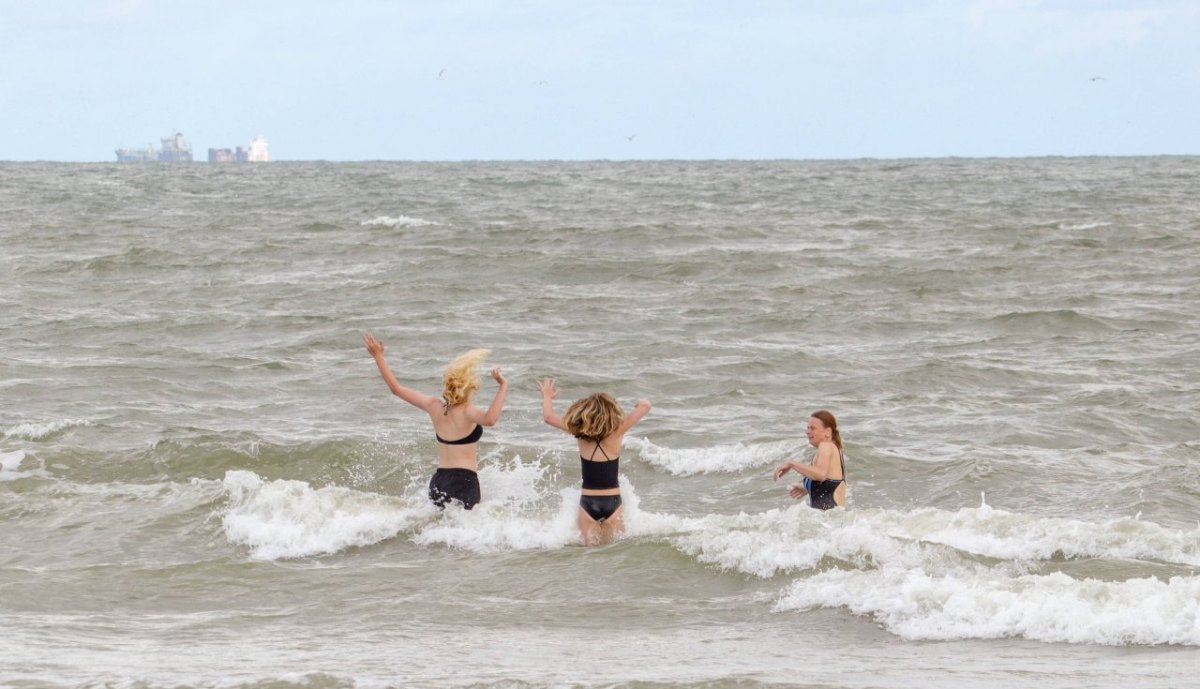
(597, 474)
(472, 437)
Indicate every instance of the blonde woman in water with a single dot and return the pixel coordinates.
(825, 478)
(599, 425)
(457, 423)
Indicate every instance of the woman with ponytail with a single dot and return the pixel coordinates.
(454, 417)
(825, 478)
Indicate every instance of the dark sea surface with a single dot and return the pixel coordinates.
(205, 483)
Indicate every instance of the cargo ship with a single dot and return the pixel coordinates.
(175, 149)
(137, 155)
(256, 152)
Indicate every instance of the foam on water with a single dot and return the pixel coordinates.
(10, 467)
(716, 459)
(780, 541)
(11, 461)
(1010, 536)
(286, 518)
(398, 221)
(42, 431)
(933, 574)
(290, 519)
(978, 604)
(1083, 226)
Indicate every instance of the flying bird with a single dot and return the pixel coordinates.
(630, 137)
(1096, 79)
(441, 73)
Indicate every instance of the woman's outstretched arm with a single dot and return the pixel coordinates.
(492, 415)
(417, 399)
(548, 415)
(639, 411)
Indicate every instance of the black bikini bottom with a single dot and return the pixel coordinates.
(454, 484)
(600, 507)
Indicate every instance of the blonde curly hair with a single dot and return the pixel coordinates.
(594, 417)
(461, 378)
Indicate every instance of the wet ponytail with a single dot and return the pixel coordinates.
(831, 423)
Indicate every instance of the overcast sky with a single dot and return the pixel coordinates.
(615, 79)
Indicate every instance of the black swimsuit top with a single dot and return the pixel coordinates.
(820, 493)
(599, 475)
(472, 437)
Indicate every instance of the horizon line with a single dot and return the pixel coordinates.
(607, 160)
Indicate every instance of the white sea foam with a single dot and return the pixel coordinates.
(288, 519)
(715, 459)
(10, 467)
(1011, 536)
(41, 431)
(978, 604)
(494, 527)
(798, 538)
(285, 519)
(933, 574)
(513, 516)
(780, 541)
(11, 461)
(398, 221)
(1083, 226)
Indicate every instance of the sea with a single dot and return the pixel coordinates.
(204, 482)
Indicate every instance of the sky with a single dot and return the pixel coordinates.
(608, 80)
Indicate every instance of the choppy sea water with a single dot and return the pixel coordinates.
(205, 484)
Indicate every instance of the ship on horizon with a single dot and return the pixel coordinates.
(175, 149)
(256, 152)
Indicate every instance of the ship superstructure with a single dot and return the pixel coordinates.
(175, 149)
(256, 152)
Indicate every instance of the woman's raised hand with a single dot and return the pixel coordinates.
(374, 347)
(498, 376)
(548, 389)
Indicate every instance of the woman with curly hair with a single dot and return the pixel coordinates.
(453, 416)
(825, 478)
(599, 425)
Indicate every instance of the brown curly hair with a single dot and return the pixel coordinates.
(594, 417)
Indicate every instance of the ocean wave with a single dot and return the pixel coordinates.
(967, 604)
(398, 221)
(1013, 536)
(937, 575)
(289, 519)
(1056, 321)
(1083, 225)
(133, 258)
(717, 459)
(42, 431)
(796, 539)
(284, 519)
